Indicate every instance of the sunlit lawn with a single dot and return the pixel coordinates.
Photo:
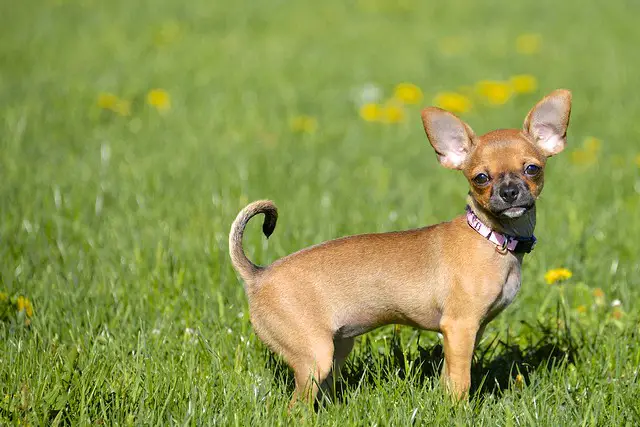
(131, 134)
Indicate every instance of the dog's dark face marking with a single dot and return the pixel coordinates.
(505, 171)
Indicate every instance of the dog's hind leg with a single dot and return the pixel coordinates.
(342, 348)
(311, 368)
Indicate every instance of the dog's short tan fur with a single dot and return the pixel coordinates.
(310, 305)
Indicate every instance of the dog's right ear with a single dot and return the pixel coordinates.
(450, 137)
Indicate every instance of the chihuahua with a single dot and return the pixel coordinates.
(453, 277)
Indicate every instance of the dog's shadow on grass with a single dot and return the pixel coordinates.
(497, 365)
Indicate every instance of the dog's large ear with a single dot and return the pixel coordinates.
(450, 137)
(547, 122)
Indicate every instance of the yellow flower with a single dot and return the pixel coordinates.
(23, 303)
(408, 93)
(617, 313)
(392, 113)
(581, 309)
(519, 383)
(159, 98)
(122, 107)
(453, 101)
(598, 294)
(528, 44)
(495, 92)
(557, 274)
(3, 296)
(583, 158)
(592, 144)
(371, 112)
(524, 83)
(303, 124)
(107, 101)
(452, 45)
(588, 154)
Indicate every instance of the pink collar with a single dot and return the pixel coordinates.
(503, 241)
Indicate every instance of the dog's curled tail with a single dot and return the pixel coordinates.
(241, 263)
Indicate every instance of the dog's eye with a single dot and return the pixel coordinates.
(532, 170)
(481, 179)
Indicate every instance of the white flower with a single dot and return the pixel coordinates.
(27, 226)
(105, 154)
(367, 94)
(325, 202)
(616, 303)
(57, 197)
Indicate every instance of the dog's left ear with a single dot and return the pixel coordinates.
(547, 122)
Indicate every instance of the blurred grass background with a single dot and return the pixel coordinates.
(115, 208)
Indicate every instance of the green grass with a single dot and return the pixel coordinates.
(115, 228)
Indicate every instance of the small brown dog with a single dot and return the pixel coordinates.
(452, 277)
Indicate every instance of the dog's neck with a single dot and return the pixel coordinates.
(517, 227)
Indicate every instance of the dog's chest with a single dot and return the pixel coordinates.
(510, 288)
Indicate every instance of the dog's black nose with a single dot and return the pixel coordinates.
(509, 193)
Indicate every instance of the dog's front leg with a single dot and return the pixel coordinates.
(459, 342)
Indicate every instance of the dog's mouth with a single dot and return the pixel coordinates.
(514, 211)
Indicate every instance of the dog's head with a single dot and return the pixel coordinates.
(505, 168)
